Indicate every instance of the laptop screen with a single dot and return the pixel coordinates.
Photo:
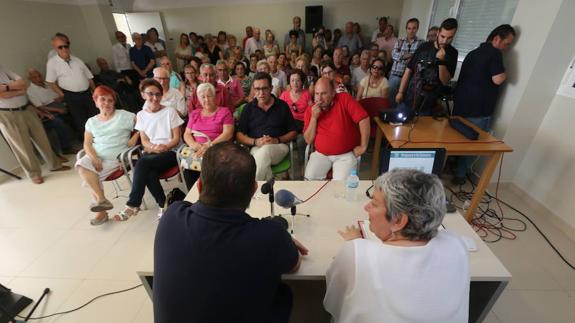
(425, 160)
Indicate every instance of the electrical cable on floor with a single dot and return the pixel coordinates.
(492, 227)
(84, 305)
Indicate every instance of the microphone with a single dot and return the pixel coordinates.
(287, 199)
(268, 186)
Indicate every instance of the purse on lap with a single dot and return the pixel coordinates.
(187, 155)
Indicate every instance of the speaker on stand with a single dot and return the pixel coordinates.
(313, 18)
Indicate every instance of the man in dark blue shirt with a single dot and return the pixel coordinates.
(431, 68)
(267, 125)
(480, 79)
(142, 57)
(215, 263)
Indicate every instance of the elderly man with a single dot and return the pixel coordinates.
(110, 77)
(141, 57)
(300, 33)
(208, 75)
(172, 97)
(277, 73)
(176, 81)
(387, 42)
(362, 70)
(254, 43)
(249, 34)
(49, 106)
(70, 77)
(382, 24)
(53, 51)
(228, 257)
(231, 84)
(267, 126)
(350, 39)
(341, 70)
(338, 127)
(22, 128)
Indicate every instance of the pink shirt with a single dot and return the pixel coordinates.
(212, 126)
(234, 89)
(222, 99)
(386, 45)
(301, 104)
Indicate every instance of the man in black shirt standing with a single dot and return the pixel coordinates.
(430, 69)
(267, 126)
(215, 263)
(482, 74)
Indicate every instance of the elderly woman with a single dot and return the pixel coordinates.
(215, 122)
(414, 272)
(270, 46)
(297, 97)
(374, 84)
(242, 77)
(159, 128)
(107, 135)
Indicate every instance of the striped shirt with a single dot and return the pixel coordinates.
(402, 46)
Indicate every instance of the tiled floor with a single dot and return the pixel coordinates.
(46, 241)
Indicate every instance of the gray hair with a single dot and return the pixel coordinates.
(207, 65)
(203, 87)
(261, 63)
(418, 195)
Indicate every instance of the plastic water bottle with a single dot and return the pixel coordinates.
(351, 186)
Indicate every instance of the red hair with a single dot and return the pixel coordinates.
(103, 90)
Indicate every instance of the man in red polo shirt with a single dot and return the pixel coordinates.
(223, 98)
(339, 129)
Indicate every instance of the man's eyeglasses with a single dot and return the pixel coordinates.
(261, 89)
(156, 94)
(63, 46)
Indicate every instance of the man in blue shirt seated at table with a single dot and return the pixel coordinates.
(215, 263)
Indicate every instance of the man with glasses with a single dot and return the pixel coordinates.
(142, 57)
(172, 98)
(267, 126)
(402, 54)
(70, 77)
(338, 127)
(328, 71)
(231, 84)
(208, 75)
(176, 81)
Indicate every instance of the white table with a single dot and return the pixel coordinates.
(330, 211)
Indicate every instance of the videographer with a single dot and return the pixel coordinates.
(433, 66)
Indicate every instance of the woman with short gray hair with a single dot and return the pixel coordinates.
(411, 271)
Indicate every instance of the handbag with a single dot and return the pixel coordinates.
(187, 156)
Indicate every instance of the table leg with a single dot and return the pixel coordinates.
(376, 152)
(482, 185)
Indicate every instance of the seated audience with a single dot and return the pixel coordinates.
(375, 84)
(354, 62)
(267, 126)
(253, 43)
(297, 97)
(212, 50)
(159, 128)
(319, 40)
(387, 42)
(249, 34)
(110, 77)
(208, 75)
(350, 39)
(176, 81)
(270, 46)
(142, 57)
(345, 56)
(328, 71)
(362, 70)
(50, 107)
(338, 127)
(382, 24)
(264, 67)
(183, 52)
(316, 58)
(415, 272)
(244, 79)
(222, 41)
(277, 73)
(342, 71)
(293, 45)
(232, 44)
(215, 122)
(171, 97)
(283, 63)
(229, 268)
(253, 67)
(22, 128)
(107, 135)
(302, 64)
(190, 82)
(232, 85)
(296, 25)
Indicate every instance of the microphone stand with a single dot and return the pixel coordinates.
(293, 213)
(268, 188)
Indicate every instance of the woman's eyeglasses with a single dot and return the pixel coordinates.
(376, 67)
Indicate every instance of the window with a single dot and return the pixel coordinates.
(476, 19)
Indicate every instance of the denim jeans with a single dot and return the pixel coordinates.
(394, 82)
(464, 162)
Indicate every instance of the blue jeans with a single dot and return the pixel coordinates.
(464, 162)
(394, 82)
(147, 174)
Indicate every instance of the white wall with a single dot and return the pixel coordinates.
(420, 9)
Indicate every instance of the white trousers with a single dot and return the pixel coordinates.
(265, 157)
(319, 164)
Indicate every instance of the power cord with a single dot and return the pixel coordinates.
(84, 305)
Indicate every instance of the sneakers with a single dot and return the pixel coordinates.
(160, 212)
(105, 205)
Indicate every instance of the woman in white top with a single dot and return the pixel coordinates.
(159, 128)
(107, 135)
(410, 271)
(183, 52)
(374, 84)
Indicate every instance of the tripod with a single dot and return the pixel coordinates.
(293, 213)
